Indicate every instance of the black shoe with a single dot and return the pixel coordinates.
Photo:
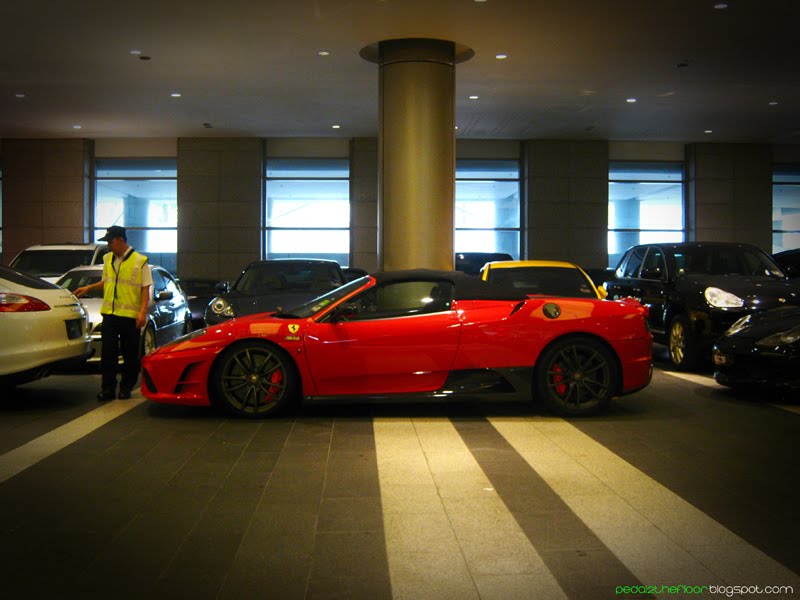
(124, 395)
(105, 396)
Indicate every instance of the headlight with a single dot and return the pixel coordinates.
(781, 339)
(721, 299)
(220, 306)
(739, 325)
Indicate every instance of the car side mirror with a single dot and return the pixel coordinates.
(164, 295)
(222, 287)
(346, 312)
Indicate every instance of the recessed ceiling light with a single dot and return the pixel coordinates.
(175, 94)
(771, 103)
(473, 97)
(720, 5)
(501, 56)
(336, 126)
(456, 127)
(19, 95)
(136, 52)
(631, 100)
(479, 1)
(323, 53)
(709, 131)
(76, 126)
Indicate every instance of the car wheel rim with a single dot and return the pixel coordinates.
(254, 381)
(677, 343)
(579, 376)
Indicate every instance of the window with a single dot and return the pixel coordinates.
(645, 205)
(487, 206)
(785, 208)
(401, 299)
(307, 209)
(142, 196)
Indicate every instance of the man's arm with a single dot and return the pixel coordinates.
(141, 318)
(82, 291)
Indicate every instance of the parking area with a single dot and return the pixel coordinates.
(684, 483)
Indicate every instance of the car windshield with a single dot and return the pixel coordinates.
(51, 263)
(724, 260)
(312, 307)
(549, 281)
(267, 278)
(75, 279)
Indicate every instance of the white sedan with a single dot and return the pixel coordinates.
(43, 326)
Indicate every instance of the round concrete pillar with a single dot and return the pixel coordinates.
(416, 179)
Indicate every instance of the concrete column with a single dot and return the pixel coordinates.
(416, 182)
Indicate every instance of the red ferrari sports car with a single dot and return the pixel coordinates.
(409, 334)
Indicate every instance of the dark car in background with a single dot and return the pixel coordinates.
(761, 349)
(471, 263)
(696, 290)
(266, 285)
(789, 262)
(200, 292)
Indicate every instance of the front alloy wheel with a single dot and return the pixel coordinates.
(253, 379)
(576, 377)
(682, 348)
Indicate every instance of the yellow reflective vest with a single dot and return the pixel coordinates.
(122, 290)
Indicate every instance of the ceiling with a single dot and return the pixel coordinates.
(251, 68)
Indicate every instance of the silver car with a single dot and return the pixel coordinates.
(168, 315)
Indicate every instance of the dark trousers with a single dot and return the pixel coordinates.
(119, 333)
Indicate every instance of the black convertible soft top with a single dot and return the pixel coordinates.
(467, 287)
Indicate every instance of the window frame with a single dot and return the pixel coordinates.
(517, 253)
(793, 181)
(639, 231)
(267, 229)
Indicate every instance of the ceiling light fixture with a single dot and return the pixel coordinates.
(631, 100)
(771, 102)
(720, 5)
(136, 52)
(175, 94)
(19, 95)
(336, 126)
(709, 131)
(323, 53)
(76, 126)
(501, 56)
(473, 97)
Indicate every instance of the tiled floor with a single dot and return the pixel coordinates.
(681, 484)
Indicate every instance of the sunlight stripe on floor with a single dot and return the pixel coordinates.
(448, 533)
(659, 536)
(17, 460)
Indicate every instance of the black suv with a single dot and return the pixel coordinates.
(696, 290)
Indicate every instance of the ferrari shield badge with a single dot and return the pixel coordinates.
(294, 328)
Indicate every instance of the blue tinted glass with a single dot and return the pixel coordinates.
(136, 167)
(645, 171)
(780, 174)
(308, 168)
(487, 169)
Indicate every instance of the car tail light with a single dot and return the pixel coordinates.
(10, 302)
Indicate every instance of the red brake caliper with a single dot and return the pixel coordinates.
(275, 378)
(558, 380)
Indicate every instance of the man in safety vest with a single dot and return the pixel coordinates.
(126, 293)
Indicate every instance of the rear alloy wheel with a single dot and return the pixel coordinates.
(576, 377)
(254, 379)
(682, 347)
(148, 340)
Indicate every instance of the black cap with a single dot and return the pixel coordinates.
(115, 231)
